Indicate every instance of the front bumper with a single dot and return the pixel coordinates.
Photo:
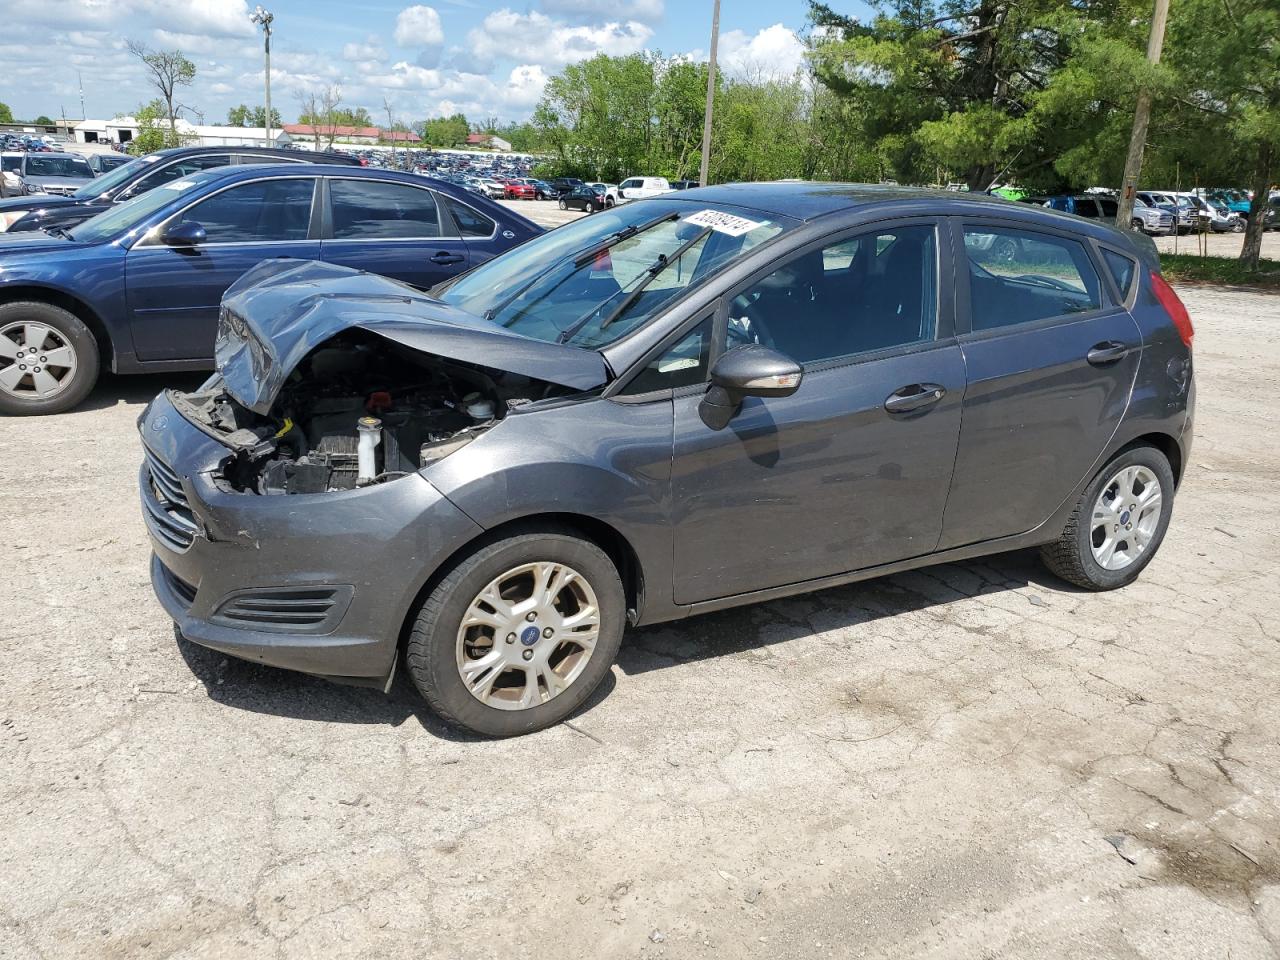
(317, 583)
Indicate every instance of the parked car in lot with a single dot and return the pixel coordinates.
(136, 178)
(138, 288)
(43, 175)
(520, 189)
(543, 190)
(494, 189)
(588, 197)
(609, 191)
(642, 188)
(564, 185)
(670, 407)
(11, 174)
(101, 163)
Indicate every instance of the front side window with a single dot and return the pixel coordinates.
(382, 210)
(265, 211)
(1017, 276)
(871, 292)
(682, 364)
(178, 170)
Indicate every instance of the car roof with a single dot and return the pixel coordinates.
(170, 152)
(55, 153)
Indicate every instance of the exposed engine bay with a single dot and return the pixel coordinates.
(358, 410)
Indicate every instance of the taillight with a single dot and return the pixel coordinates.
(1173, 307)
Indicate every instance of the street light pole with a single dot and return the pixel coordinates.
(711, 94)
(1141, 118)
(264, 17)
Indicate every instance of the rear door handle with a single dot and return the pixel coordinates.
(443, 258)
(1109, 351)
(915, 396)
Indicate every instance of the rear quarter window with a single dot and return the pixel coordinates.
(1123, 270)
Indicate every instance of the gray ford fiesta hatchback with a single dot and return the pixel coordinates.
(681, 404)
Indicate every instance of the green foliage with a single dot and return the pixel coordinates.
(6, 115)
(337, 117)
(246, 116)
(445, 131)
(154, 131)
(43, 121)
(1192, 268)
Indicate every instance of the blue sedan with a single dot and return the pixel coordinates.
(139, 287)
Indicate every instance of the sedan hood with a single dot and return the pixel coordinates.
(37, 202)
(281, 310)
(33, 241)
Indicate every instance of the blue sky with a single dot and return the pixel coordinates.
(484, 58)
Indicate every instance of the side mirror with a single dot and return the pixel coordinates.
(185, 233)
(747, 371)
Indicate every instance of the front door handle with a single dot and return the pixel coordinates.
(915, 396)
(444, 258)
(1109, 351)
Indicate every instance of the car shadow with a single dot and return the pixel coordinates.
(112, 390)
(254, 687)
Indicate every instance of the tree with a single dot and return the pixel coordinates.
(1225, 52)
(6, 115)
(245, 116)
(168, 70)
(319, 110)
(445, 131)
(992, 89)
(153, 132)
(43, 121)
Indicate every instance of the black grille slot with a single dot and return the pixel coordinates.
(185, 591)
(301, 610)
(166, 508)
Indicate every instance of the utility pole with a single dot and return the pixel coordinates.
(711, 94)
(264, 17)
(1141, 118)
(80, 79)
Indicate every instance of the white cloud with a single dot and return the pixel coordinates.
(773, 51)
(650, 11)
(535, 38)
(371, 49)
(419, 27)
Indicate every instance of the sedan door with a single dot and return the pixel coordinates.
(852, 470)
(392, 228)
(175, 293)
(1051, 363)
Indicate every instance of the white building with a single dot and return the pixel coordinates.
(124, 129)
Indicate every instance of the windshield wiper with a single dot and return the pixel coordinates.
(580, 259)
(58, 231)
(652, 272)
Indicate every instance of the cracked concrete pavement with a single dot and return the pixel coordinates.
(971, 761)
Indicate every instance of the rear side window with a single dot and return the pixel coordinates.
(381, 210)
(1017, 276)
(1122, 270)
(471, 222)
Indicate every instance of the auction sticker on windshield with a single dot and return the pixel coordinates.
(728, 223)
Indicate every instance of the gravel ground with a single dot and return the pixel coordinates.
(1218, 244)
(973, 761)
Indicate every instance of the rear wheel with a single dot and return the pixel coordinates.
(48, 359)
(519, 634)
(1118, 524)
(563, 205)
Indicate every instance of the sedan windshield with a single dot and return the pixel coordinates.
(119, 175)
(129, 215)
(595, 280)
(38, 166)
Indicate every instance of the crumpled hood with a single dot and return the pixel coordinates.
(281, 310)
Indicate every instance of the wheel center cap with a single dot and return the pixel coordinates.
(529, 636)
(1124, 517)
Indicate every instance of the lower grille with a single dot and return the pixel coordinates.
(286, 609)
(165, 505)
(184, 591)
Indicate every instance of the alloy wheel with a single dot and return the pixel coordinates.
(1126, 517)
(528, 635)
(37, 361)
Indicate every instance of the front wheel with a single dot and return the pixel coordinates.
(48, 359)
(563, 205)
(1118, 523)
(519, 634)
(1137, 226)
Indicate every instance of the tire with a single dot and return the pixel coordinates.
(437, 644)
(1137, 226)
(64, 332)
(1073, 556)
(563, 205)
(608, 201)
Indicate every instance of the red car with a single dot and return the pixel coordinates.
(520, 190)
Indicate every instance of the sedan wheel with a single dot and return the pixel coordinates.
(563, 205)
(48, 359)
(1125, 518)
(518, 634)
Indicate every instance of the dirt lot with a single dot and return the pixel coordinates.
(968, 762)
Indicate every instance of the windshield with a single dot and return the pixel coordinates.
(595, 280)
(128, 215)
(38, 166)
(110, 181)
